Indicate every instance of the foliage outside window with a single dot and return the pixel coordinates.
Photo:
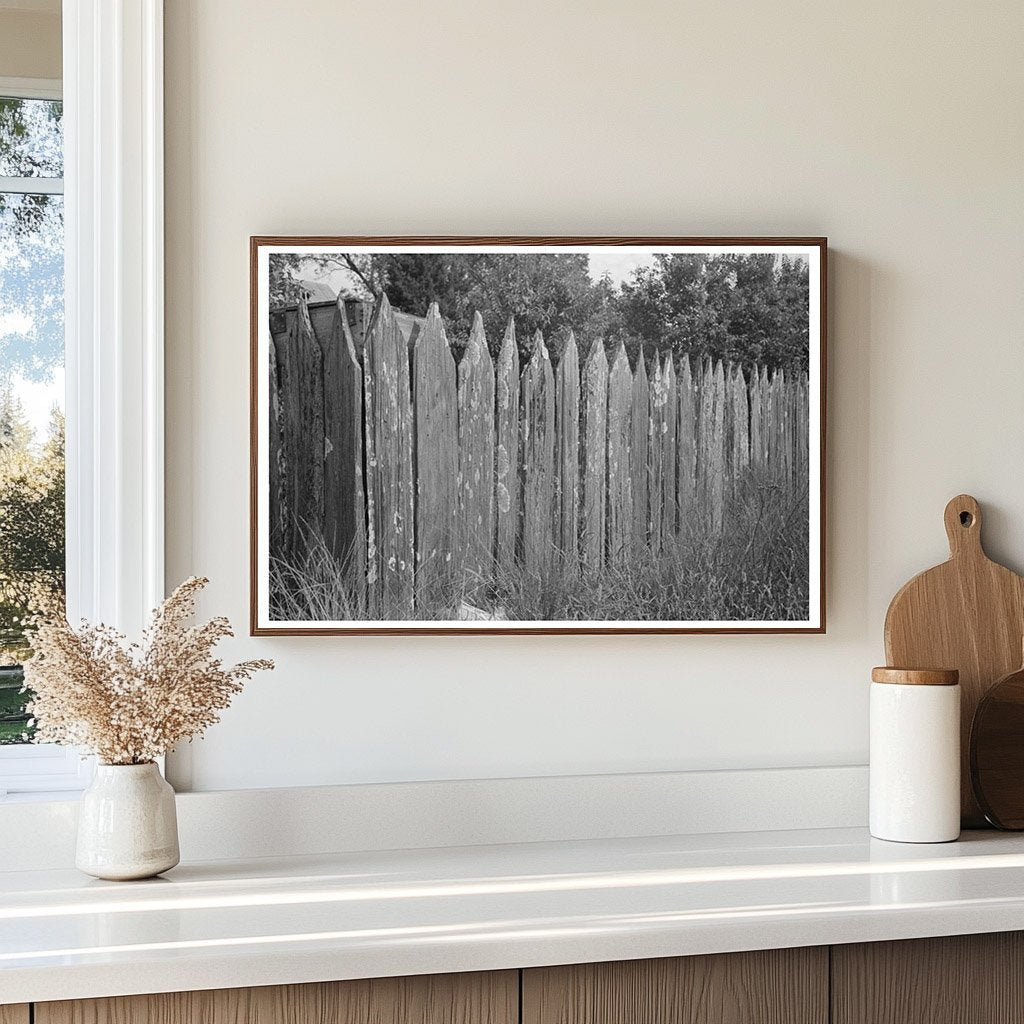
(31, 386)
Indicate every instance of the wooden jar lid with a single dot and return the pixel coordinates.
(916, 676)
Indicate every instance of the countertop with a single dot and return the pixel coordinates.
(357, 915)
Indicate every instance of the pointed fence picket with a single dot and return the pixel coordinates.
(639, 450)
(567, 430)
(538, 450)
(436, 457)
(620, 491)
(389, 481)
(426, 476)
(506, 456)
(476, 458)
(595, 455)
(344, 501)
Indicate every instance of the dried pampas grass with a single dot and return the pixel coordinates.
(130, 703)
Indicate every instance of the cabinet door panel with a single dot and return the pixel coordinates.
(490, 998)
(961, 979)
(14, 1014)
(779, 986)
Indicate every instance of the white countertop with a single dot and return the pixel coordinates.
(351, 915)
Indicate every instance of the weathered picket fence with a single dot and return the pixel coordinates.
(419, 471)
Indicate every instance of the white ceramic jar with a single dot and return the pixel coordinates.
(127, 823)
(915, 755)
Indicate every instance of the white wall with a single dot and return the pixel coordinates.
(895, 129)
(30, 41)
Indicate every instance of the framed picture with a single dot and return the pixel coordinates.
(537, 435)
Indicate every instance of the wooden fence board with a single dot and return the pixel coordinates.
(389, 483)
(620, 493)
(655, 452)
(740, 432)
(596, 441)
(538, 450)
(304, 405)
(687, 445)
(669, 454)
(803, 432)
(705, 429)
(567, 454)
(476, 459)
(756, 419)
(506, 456)
(716, 450)
(277, 510)
(435, 459)
(640, 415)
(344, 494)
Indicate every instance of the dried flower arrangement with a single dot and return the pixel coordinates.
(130, 703)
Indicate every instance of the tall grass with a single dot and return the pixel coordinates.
(755, 569)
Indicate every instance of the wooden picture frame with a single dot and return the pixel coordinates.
(413, 434)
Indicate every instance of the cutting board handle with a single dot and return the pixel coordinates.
(963, 526)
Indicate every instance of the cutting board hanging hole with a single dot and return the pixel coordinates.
(963, 525)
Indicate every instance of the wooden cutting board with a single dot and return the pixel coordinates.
(997, 752)
(967, 614)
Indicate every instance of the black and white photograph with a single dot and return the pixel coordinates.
(537, 435)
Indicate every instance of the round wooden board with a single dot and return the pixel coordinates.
(997, 752)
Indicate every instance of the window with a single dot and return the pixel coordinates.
(112, 214)
(32, 531)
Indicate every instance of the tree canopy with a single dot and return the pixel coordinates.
(31, 522)
(748, 308)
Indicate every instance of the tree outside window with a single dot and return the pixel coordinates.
(32, 543)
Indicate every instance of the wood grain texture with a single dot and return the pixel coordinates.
(567, 455)
(997, 752)
(963, 979)
(915, 676)
(739, 432)
(476, 459)
(538, 449)
(784, 986)
(655, 454)
(435, 412)
(306, 426)
(344, 494)
(389, 482)
(506, 455)
(686, 442)
(668, 418)
(639, 445)
(967, 614)
(620, 494)
(482, 998)
(14, 1014)
(595, 454)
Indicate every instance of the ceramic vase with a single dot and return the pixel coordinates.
(127, 824)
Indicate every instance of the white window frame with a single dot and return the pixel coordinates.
(114, 324)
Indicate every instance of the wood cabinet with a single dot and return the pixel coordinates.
(972, 979)
(491, 998)
(778, 986)
(962, 979)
